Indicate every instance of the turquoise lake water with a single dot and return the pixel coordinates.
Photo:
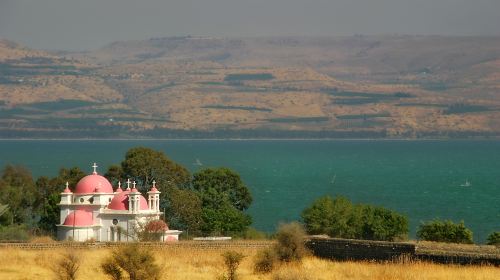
(421, 179)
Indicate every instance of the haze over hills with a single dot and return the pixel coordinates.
(358, 86)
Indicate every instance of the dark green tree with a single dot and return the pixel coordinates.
(494, 238)
(182, 205)
(146, 165)
(383, 224)
(17, 189)
(223, 181)
(115, 174)
(338, 217)
(224, 198)
(184, 210)
(445, 231)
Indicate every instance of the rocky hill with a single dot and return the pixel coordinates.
(359, 86)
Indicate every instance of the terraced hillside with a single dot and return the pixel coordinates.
(359, 86)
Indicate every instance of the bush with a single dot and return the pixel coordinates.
(290, 245)
(254, 234)
(232, 260)
(14, 233)
(338, 217)
(137, 262)
(494, 238)
(264, 261)
(445, 231)
(67, 267)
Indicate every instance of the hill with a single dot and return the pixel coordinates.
(358, 86)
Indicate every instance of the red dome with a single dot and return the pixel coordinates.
(79, 218)
(120, 202)
(89, 183)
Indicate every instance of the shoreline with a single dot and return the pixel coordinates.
(256, 139)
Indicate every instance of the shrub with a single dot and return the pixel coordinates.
(67, 267)
(494, 238)
(136, 262)
(445, 231)
(151, 230)
(14, 232)
(290, 245)
(264, 261)
(232, 260)
(338, 217)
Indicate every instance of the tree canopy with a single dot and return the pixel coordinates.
(224, 197)
(338, 217)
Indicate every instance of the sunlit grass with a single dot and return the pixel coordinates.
(193, 263)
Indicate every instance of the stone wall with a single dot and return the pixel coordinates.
(348, 249)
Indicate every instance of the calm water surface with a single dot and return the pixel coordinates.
(419, 178)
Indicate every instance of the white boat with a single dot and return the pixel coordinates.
(198, 162)
(466, 184)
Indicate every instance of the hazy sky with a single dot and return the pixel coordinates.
(86, 24)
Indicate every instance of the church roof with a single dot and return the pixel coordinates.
(120, 201)
(79, 218)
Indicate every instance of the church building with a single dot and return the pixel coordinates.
(96, 211)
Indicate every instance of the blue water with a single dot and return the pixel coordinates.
(418, 178)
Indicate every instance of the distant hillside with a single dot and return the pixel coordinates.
(359, 86)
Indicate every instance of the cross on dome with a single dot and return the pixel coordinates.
(128, 184)
(154, 184)
(134, 183)
(119, 184)
(67, 184)
(95, 168)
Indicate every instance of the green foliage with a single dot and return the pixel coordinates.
(224, 197)
(494, 238)
(290, 246)
(14, 233)
(132, 260)
(66, 268)
(18, 190)
(184, 210)
(383, 224)
(265, 261)
(338, 217)
(232, 260)
(50, 214)
(146, 165)
(115, 174)
(224, 220)
(222, 181)
(445, 231)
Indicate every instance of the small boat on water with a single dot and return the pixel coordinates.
(466, 184)
(198, 162)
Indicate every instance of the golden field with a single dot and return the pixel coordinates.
(192, 263)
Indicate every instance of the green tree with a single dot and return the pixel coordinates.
(338, 217)
(48, 196)
(225, 182)
(184, 210)
(17, 189)
(146, 165)
(494, 238)
(224, 198)
(383, 224)
(115, 174)
(445, 231)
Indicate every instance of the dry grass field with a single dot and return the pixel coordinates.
(191, 263)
